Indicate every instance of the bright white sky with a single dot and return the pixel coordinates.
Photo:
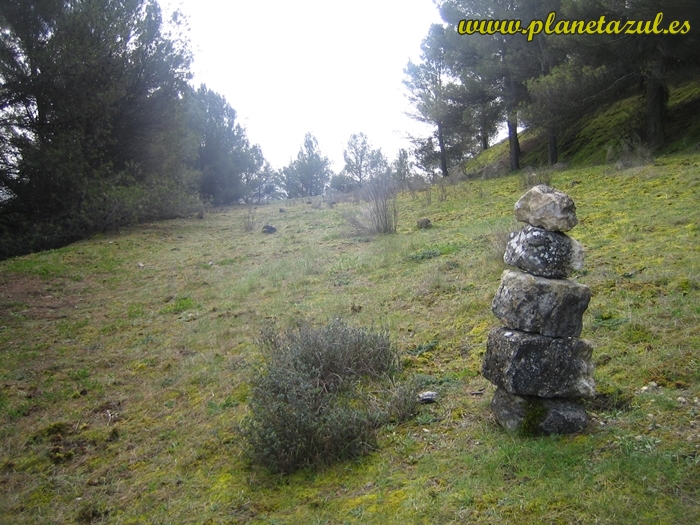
(328, 68)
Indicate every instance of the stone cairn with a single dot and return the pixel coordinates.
(540, 366)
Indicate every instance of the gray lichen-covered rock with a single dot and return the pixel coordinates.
(544, 253)
(551, 307)
(548, 208)
(536, 416)
(534, 365)
(424, 224)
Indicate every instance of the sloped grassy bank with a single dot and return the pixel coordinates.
(126, 362)
(608, 134)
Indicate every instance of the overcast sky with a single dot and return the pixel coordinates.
(328, 68)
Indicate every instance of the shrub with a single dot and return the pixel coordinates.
(379, 214)
(630, 152)
(530, 178)
(310, 403)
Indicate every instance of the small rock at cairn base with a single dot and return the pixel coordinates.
(547, 208)
(427, 397)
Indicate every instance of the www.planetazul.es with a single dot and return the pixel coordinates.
(573, 27)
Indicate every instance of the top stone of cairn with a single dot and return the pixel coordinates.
(547, 208)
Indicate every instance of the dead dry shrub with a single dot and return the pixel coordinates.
(529, 177)
(629, 153)
(442, 190)
(378, 213)
(380, 195)
(359, 221)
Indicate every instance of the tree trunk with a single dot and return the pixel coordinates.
(484, 141)
(552, 153)
(513, 140)
(656, 98)
(443, 153)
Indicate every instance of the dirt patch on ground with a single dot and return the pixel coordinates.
(37, 298)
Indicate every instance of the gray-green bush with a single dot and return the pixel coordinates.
(310, 402)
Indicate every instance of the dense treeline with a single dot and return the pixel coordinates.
(100, 128)
(467, 86)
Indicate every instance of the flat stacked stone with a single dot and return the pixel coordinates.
(540, 366)
(551, 307)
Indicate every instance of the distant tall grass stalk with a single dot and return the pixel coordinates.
(249, 224)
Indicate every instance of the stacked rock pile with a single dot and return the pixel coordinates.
(537, 361)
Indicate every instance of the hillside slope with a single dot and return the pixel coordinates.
(126, 360)
(606, 135)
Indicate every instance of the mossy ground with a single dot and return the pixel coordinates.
(126, 360)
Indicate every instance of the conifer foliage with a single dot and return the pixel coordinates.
(99, 127)
(468, 85)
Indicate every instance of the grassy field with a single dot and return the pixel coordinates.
(125, 363)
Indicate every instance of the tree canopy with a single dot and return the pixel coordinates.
(470, 84)
(309, 174)
(362, 161)
(99, 126)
